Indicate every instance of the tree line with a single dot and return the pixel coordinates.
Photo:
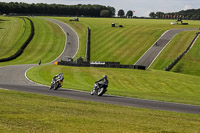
(129, 13)
(191, 14)
(57, 9)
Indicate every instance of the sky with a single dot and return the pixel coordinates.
(141, 7)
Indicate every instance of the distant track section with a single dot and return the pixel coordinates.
(152, 53)
(72, 40)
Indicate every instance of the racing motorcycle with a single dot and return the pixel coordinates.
(56, 82)
(98, 89)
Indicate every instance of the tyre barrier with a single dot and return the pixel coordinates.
(168, 68)
(101, 64)
(20, 51)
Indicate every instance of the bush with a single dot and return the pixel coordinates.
(105, 13)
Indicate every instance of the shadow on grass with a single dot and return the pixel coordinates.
(3, 20)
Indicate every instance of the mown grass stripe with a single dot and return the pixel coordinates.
(11, 35)
(46, 38)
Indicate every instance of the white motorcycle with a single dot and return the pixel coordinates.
(99, 89)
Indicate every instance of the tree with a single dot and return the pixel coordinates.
(121, 13)
(159, 14)
(57, 9)
(105, 13)
(129, 14)
(152, 15)
(112, 10)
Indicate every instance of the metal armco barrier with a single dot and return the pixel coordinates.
(168, 68)
(87, 63)
(20, 51)
(105, 65)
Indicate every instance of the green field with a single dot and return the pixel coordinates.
(22, 112)
(125, 45)
(46, 45)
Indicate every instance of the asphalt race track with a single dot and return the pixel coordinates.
(14, 78)
(153, 52)
(72, 40)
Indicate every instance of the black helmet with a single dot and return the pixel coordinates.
(105, 76)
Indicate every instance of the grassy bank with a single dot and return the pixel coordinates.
(190, 63)
(173, 49)
(13, 33)
(125, 45)
(151, 84)
(46, 45)
(25, 112)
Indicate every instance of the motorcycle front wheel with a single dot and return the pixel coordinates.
(92, 92)
(55, 87)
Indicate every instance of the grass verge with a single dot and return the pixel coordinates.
(151, 84)
(46, 45)
(25, 112)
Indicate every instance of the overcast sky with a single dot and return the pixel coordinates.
(141, 7)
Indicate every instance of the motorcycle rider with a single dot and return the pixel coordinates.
(58, 77)
(103, 82)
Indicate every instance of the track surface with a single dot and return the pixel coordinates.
(153, 52)
(13, 78)
(72, 40)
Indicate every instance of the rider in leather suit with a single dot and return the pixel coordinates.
(103, 82)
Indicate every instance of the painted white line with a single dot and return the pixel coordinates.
(65, 42)
(58, 56)
(166, 45)
(66, 38)
(25, 74)
(160, 52)
(151, 47)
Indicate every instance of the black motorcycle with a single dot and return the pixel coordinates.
(98, 89)
(56, 82)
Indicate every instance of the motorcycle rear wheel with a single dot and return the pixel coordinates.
(100, 91)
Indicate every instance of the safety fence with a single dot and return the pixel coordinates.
(101, 64)
(168, 68)
(87, 63)
(20, 51)
(87, 55)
